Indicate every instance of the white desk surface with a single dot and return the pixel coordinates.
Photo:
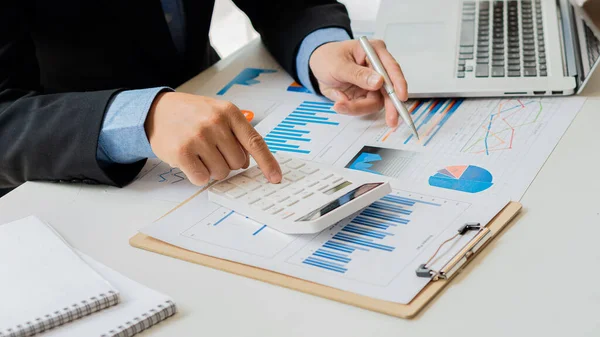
(538, 279)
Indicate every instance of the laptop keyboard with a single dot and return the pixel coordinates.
(502, 39)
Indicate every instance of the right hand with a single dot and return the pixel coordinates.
(205, 138)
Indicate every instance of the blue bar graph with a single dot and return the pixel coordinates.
(324, 265)
(287, 129)
(271, 135)
(384, 216)
(335, 246)
(274, 140)
(305, 113)
(286, 133)
(340, 255)
(392, 208)
(369, 232)
(274, 149)
(363, 242)
(292, 134)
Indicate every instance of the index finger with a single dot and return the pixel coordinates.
(393, 69)
(254, 143)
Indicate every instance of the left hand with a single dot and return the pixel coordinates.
(344, 77)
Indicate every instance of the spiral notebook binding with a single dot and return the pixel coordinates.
(63, 315)
(147, 320)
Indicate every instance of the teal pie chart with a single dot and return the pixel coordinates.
(463, 178)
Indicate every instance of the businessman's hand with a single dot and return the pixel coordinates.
(205, 138)
(344, 76)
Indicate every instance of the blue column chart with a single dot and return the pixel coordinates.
(308, 123)
(385, 231)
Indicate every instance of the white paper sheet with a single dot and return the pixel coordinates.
(474, 150)
(474, 156)
(373, 259)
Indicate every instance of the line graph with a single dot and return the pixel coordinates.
(172, 176)
(500, 129)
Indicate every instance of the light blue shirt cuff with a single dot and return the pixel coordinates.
(311, 42)
(123, 137)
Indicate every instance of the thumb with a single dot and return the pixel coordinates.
(363, 77)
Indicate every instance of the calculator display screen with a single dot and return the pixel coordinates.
(344, 199)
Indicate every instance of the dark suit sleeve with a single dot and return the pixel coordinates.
(46, 136)
(284, 24)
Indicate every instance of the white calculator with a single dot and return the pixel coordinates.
(310, 197)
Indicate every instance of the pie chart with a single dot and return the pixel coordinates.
(463, 178)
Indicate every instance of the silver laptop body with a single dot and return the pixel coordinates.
(468, 48)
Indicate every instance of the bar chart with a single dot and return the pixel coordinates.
(296, 132)
(432, 117)
(378, 233)
(429, 117)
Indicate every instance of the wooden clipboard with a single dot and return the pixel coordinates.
(498, 223)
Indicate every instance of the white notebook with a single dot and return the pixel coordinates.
(48, 282)
(43, 282)
(140, 308)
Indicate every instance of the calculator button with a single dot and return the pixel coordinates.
(309, 169)
(252, 173)
(265, 191)
(294, 189)
(323, 175)
(282, 159)
(273, 187)
(291, 202)
(261, 179)
(310, 182)
(244, 182)
(279, 196)
(305, 194)
(235, 193)
(295, 164)
(283, 184)
(334, 180)
(321, 187)
(294, 176)
(286, 215)
(276, 209)
(223, 187)
(285, 170)
(262, 204)
(250, 198)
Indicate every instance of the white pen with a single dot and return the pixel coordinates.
(387, 84)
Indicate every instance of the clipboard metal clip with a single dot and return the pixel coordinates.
(459, 260)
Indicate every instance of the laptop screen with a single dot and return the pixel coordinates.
(589, 36)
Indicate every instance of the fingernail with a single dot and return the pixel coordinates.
(275, 177)
(373, 80)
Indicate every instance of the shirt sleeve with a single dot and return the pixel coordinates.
(311, 42)
(123, 137)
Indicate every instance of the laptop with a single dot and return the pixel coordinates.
(470, 48)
